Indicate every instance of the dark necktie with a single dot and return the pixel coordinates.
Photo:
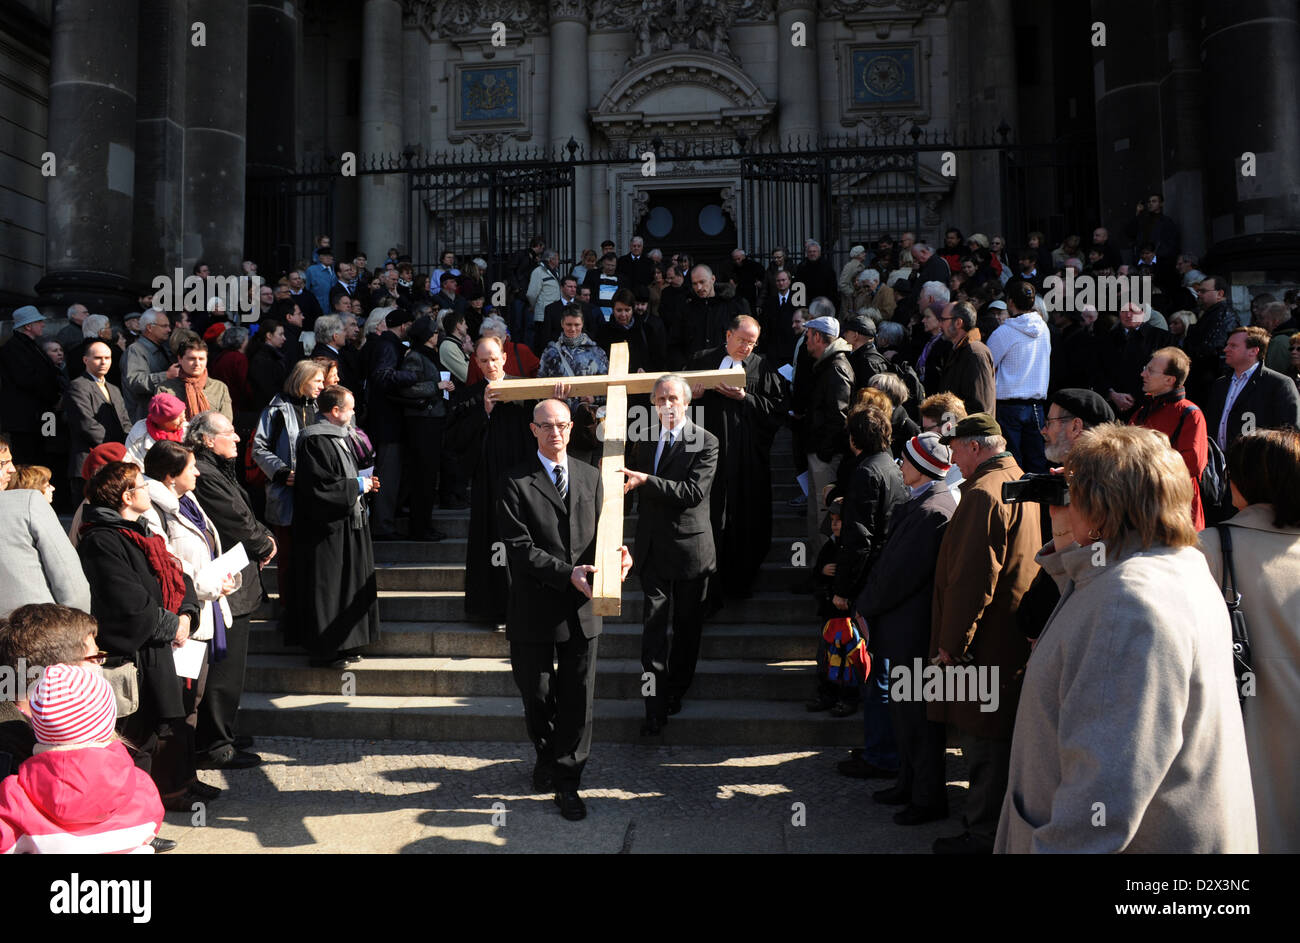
(561, 485)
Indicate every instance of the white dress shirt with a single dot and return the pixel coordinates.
(550, 468)
(1235, 386)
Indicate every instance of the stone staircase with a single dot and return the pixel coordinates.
(433, 676)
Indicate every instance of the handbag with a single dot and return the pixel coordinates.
(124, 679)
(1240, 637)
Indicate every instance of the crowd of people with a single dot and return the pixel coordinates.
(917, 383)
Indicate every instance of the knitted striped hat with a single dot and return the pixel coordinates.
(71, 704)
(929, 455)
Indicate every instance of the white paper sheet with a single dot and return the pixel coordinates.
(189, 658)
(788, 372)
(229, 563)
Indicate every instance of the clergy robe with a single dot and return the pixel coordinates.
(333, 559)
(491, 444)
(741, 509)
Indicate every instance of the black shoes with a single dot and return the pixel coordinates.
(674, 704)
(339, 661)
(543, 777)
(229, 758)
(819, 704)
(964, 844)
(858, 768)
(892, 796)
(198, 792)
(653, 726)
(161, 845)
(243, 743)
(920, 814)
(204, 791)
(571, 805)
(844, 709)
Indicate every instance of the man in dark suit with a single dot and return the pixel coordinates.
(636, 269)
(1124, 352)
(673, 477)
(547, 520)
(448, 295)
(817, 274)
(554, 313)
(1252, 396)
(778, 335)
(95, 410)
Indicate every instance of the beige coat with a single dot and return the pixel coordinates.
(1266, 560)
(1128, 736)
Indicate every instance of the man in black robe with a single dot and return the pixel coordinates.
(744, 420)
(493, 437)
(332, 554)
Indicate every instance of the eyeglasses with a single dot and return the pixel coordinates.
(97, 658)
(552, 426)
(1048, 422)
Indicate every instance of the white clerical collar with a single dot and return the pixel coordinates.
(728, 362)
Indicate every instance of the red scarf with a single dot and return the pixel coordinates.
(159, 434)
(165, 567)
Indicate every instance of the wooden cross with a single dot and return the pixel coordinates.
(607, 599)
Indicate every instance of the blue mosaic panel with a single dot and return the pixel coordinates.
(490, 94)
(884, 75)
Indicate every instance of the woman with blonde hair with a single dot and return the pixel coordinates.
(1128, 696)
(33, 478)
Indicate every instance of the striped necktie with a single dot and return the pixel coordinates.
(561, 485)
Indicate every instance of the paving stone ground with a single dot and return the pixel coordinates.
(389, 796)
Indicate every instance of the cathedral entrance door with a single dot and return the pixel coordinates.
(690, 221)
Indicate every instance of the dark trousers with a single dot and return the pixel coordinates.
(557, 700)
(921, 744)
(988, 764)
(423, 452)
(388, 469)
(878, 745)
(1022, 427)
(284, 568)
(162, 748)
(225, 686)
(670, 660)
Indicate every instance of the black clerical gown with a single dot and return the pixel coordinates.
(492, 443)
(741, 508)
(333, 559)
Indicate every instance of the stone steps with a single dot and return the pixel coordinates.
(618, 678)
(468, 640)
(738, 722)
(787, 522)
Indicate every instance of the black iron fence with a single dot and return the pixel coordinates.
(840, 191)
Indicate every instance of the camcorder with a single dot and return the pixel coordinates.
(1040, 489)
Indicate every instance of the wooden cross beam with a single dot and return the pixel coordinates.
(607, 598)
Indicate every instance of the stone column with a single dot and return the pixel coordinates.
(568, 109)
(90, 200)
(1252, 103)
(992, 101)
(216, 116)
(1127, 73)
(157, 236)
(273, 71)
(1182, 125)
(799, 114)
(382, 196)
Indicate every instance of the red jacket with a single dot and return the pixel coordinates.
(91, 800)
(1192, 443)
(520, 362)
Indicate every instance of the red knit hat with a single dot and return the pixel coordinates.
(165, 407)
(71, 704)
(215, 330)
(100, 456)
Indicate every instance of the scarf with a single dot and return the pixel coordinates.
(195, 400)
(165, 567)
(190, 511)
(159, 434)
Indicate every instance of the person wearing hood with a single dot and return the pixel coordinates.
(830, 393)
(1022, 356)
(80, 793)
(333, 553)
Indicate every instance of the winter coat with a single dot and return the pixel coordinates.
(986, 563)
(1266, 561)
(190, 546)
(37, 562)
(422, 399)
(89, 800)
(30, 382)
(1128, 736)
(226, 503)
(874, 493)
(274, 447)
(830, 393)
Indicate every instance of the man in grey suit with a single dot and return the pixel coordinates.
(547, 520)
(95, 410)
(674, 545)
(148, 364)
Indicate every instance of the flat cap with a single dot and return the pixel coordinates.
(974, 425)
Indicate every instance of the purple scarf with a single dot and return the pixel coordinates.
(190, 511)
